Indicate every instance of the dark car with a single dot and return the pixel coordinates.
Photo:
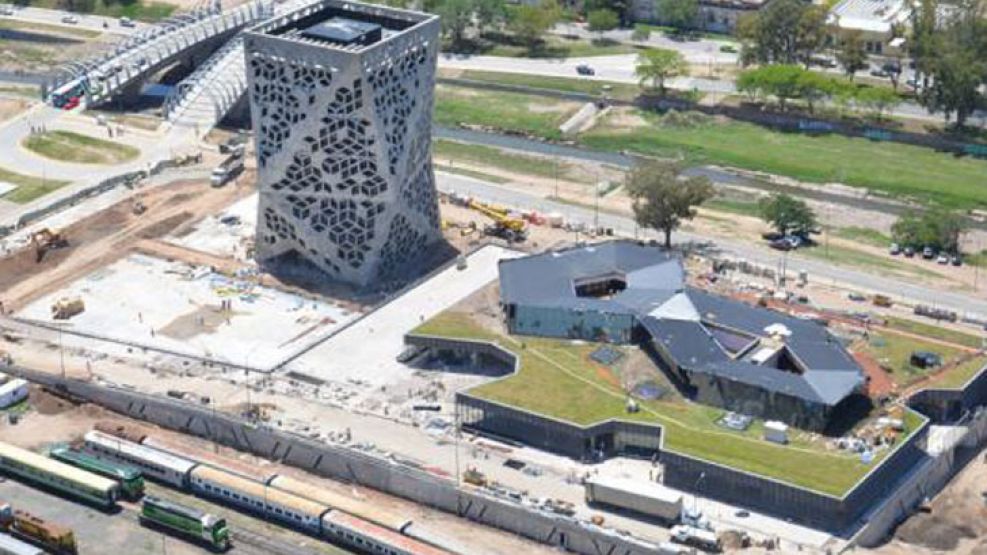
(584, 69)
(928, 253)
(908, 251)
(956, 260)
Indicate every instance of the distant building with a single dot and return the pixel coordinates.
(341, 99)
(718, 16)
(881, 23)
(725, 353)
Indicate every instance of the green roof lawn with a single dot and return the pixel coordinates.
(556, 378)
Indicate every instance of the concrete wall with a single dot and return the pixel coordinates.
(348, 465)
(949, 405)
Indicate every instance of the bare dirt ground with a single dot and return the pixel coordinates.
(11, 107)
(108, 235)
(957, 522)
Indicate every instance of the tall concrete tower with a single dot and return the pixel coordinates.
(341, 99)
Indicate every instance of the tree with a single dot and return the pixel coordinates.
(456, 16)
(641, 33)
(658, 64)
(620, 7)
(851, 54)
(788, 215)
(681, 14)
(782, 81)
(529, 22)
(783, 31)
(939, 229)
(490, 14)
(663, 198)
(601, 21)
(877, 100)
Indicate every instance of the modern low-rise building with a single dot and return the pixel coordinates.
(724, 352)
(881, 24)
(718, 16)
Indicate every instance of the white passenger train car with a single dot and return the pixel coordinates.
(155, 464)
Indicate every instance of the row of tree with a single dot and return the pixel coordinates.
(528, 22)
(948, 42)
(787, 82)
(938, 229)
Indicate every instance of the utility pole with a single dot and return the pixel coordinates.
(61, 352)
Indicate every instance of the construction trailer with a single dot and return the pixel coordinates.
(66, 307)
(640, 496)
(13, 392)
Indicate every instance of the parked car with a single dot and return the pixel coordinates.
(956, 260)
(728, 49)
(6, 9)
(127, 22)
(822, 61)
(908, 251)
(70, 19)
(928, 253)
(943, 259)
(895, 249)
(856, 297)
(585, 69)
(879, 72)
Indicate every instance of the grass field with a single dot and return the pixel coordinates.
(140, 10)
(557, 379)
(558, 47)
(537, 166)
(483, 176)
(863, 235)
(846, 256)
(501, 110)
(936, 332)
(733, 206)
(896, 169)
(67, 146)
(25, 91)
(893, 351)
(622, 91)
(28, 187)
(46, 29)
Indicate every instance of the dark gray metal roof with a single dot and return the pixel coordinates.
(679, 317)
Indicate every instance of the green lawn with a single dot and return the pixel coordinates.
(67, 146)
(896, 169)
(470, 173)
(936, 332)
(622, 91)
(733, 206)
(28, 187)
(846, 256)
(502, 110)
(894, 351)
(557, 379)
(46, 29)
(556, 47)
(537, 166)
(140, 10)
(26, 91)
(863, 235)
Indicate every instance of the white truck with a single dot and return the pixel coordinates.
(696, 537)
(227, 170)
(640, 496)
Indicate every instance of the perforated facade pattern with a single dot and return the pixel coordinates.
(344, 146)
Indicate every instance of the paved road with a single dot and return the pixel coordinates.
(620, 69)
(86, 22)
(818, 270)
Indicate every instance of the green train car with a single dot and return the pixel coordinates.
(130, 479)
(187, 521)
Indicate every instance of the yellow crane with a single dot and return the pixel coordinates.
(505, 226)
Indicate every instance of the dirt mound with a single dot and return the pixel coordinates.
(933, 532)
(48, 404)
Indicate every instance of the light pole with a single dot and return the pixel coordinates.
(61, 352)
(695, 497)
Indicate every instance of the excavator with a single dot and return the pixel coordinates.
(46, 240)
(505, 226)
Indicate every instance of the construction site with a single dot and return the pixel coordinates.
(158, 294)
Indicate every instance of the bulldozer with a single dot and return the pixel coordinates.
(46, 240)
(505, 226)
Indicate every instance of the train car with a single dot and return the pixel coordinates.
(189, 522)
(355, 507)
(24, 525)
(371, 538)
(154, 464)
(203, 456)
(59, 476)
(130, 479)
(297, 512)
(10, 545)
